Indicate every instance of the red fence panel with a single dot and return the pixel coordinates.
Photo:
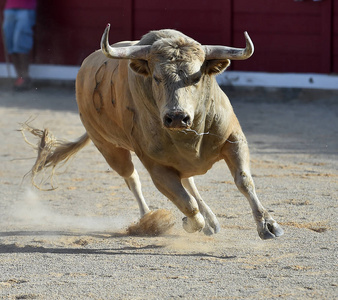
(208, 22)
(289, 36)
(68, 30)
(335, 38)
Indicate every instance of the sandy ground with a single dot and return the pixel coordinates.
(71, 243)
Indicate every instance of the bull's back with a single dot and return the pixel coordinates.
(102, 98)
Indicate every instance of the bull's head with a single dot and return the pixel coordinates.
(179, 69)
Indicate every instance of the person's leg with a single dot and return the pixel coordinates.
(8, 27)
(15, 59)
(22, 45)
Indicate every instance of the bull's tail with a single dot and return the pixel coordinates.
(51, 151)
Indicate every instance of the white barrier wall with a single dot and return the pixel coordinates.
(235, 78)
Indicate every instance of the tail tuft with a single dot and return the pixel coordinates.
(51, 151)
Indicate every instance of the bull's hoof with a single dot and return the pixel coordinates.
(211, 223)
(211, 229)
(269, 230)
(193, 224)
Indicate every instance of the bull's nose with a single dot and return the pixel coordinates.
(177, 120)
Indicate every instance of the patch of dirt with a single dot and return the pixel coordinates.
(314, 226)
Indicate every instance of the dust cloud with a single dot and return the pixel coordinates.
(31, 211)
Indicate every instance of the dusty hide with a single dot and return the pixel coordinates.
(153, 223)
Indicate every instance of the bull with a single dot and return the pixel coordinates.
(158, 97)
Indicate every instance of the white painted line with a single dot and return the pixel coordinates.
(285, 80)
(235, 78)
(57, 72)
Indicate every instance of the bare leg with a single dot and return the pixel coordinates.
(169, 184)
(236, 155)
(211, 222)
(21, 64)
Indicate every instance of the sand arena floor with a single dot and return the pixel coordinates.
(71, 243)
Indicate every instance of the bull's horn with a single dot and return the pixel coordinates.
(224, 52)
(131, 52)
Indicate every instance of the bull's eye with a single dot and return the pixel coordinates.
(157, 80)
(195, 80)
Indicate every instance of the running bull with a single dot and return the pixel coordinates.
(159, 98)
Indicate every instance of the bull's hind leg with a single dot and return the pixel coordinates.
(134, 184)
(236, 155)
(211, 222)
(120, 160)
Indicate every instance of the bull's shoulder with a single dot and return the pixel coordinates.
(95, 68)
(95, 59)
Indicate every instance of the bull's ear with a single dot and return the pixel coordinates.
(140, 66)
(216, 66)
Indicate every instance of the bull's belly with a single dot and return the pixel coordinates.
(193, 168)
(190, 167)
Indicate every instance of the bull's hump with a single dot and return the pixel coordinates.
(155, 35)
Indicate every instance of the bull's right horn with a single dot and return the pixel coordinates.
(131, 52)
(224, 52)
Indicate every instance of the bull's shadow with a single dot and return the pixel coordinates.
(127, 250)
(95, 234)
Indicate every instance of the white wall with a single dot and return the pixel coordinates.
(235, 78)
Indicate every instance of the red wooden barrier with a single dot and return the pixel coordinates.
(289, 36)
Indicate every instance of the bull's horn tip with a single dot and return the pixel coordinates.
(108, 25)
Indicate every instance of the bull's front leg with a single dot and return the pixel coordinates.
(236, 155)
(211, 223)
(168, 182)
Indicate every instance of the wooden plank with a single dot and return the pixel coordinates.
(127, 20)
(148, 19)
(76, 28)
(288, 36)
(276, 7)
(335, 38)
(187, 5)
(102, 4)
(288, 24)
(201, 20)
(226, 9)
(2, 46)
(325, 54)
(98, 18)
(280, 44)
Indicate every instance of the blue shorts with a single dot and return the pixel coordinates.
(18, 30)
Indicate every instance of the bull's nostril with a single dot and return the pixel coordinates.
(186, 120)
(168, 121)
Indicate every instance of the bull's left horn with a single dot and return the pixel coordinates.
(131, 52)
(224, 52)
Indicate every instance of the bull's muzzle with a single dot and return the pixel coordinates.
(177, 120)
